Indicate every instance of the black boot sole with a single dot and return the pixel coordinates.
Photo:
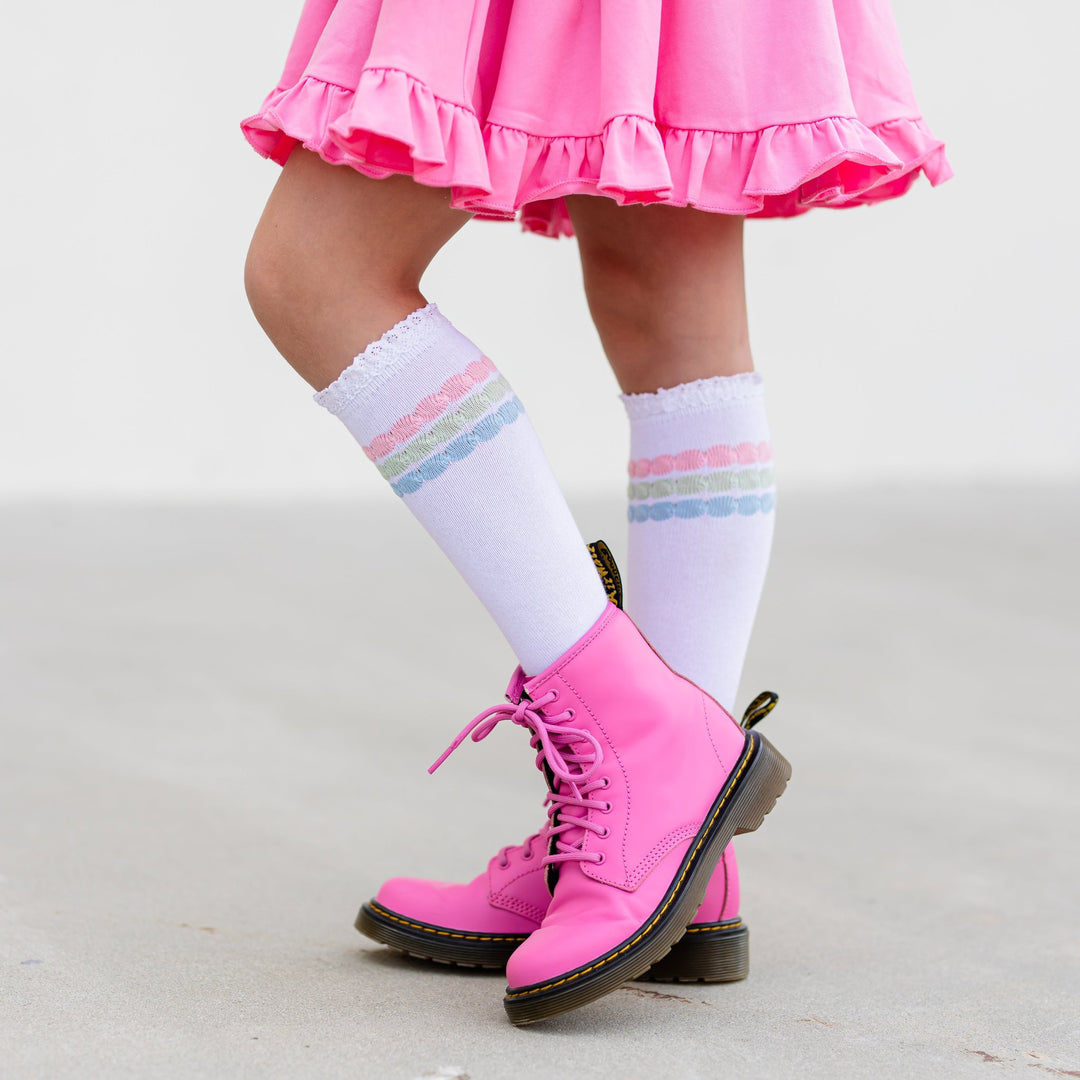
(710, 952)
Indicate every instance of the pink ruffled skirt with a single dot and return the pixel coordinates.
(756, 107)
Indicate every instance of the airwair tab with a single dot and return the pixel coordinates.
(608, 571)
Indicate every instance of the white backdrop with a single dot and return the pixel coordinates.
(930, 340)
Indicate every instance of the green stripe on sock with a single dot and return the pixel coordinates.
(702, 483)
(445, 428)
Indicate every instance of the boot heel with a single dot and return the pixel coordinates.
(768, 774)
(710, 952)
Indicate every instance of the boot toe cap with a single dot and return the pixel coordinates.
(552, 952)
(449, 905)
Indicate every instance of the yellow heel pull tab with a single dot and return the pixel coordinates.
(608, 571)
(759, 708)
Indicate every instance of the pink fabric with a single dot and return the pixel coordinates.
(764, 108)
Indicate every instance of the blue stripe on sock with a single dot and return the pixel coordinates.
(721, 506)
(460, 447)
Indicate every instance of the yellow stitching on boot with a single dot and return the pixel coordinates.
(444, 933)
(645, 930)
(730, 924)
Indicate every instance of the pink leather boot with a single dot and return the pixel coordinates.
(481, 923)
(649, 780)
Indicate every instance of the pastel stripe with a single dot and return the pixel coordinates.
(460, 448)
(445, 428)
(702, 483)
(715, 457)
(718, 506)
(431, 407)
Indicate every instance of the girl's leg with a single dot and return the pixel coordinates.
(665, 288)
(333, 276)
(606, 714)
(337, 258)
(666, 291)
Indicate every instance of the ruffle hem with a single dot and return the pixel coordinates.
(393, 123)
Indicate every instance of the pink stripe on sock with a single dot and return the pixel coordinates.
(715, 457)
(430, 408)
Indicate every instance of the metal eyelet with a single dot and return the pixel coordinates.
(605, 808)
(601, 859)
(604, 833)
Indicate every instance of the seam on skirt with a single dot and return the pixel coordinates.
(641, 116)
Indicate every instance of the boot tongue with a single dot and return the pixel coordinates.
(515, 693)
(515, 690)
(570, 836)
(564, 816)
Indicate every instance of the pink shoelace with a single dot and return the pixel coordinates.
(526, 847)
(574, 768)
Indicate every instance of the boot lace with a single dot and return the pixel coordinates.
(573, 756)
(526, 846)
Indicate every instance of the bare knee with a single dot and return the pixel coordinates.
(266, 281)
(336, 260)
(665, 290)
(281, 279)
(318, 311)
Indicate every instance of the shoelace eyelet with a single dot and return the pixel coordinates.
(604, 808)
(607, 781)
(527, 854)
(604, 833)
(601, 858)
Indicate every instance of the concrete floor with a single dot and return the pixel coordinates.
(214, 729)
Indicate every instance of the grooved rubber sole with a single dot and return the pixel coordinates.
(442, 944)
(710, 952)
(751, 791)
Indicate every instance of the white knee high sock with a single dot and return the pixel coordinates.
(701, 524)
(445, 428)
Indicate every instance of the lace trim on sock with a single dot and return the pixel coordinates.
(699, 394)
(403, 342)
